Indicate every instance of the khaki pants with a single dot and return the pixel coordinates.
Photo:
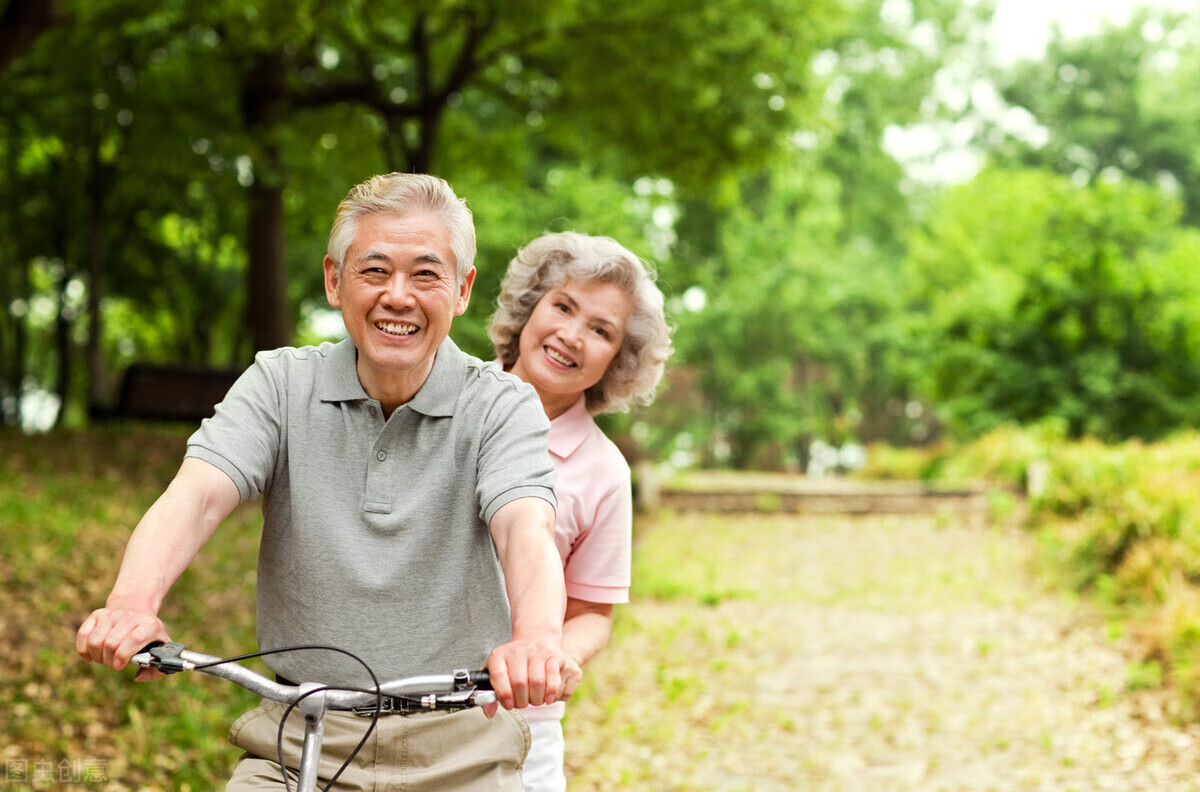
(421, 752)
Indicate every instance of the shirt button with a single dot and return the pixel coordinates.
(382, 455)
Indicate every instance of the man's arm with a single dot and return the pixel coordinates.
(165, 542)
(528, 669)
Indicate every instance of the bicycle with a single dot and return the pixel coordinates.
(458, 690)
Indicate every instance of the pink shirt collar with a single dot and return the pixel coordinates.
(569, 430)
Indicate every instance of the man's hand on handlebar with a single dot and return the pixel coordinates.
(111, 636)
(526, 673)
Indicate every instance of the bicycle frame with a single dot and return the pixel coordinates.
(433, 691)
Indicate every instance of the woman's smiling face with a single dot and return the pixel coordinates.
(573, 334)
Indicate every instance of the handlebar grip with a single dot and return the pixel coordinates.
(481, 679)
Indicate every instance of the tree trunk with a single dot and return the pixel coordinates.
(397, 150)
(97, 188)
(62, 342)
(12, 356)
(21, 22)
(16, 371)
(96, 373)
(421, 156)
(268, 312)
(20, 344)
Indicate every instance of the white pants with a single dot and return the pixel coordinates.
(544, 765)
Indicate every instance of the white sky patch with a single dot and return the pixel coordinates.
(1021, 28)
(938, 152)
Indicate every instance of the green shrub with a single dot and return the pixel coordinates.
(889, 463)
(1002, 457)
(1118, 521)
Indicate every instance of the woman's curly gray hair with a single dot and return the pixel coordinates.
(552, 260)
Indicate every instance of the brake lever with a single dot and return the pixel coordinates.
(165, 657)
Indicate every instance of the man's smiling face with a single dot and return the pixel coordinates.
(398, 293)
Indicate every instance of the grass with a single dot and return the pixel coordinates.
(68, 504)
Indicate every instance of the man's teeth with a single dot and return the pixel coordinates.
(396, 329)
(554, 355)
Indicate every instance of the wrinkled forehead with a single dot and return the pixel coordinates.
(411, 235)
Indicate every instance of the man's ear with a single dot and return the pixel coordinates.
(464, 292)
(331, 283)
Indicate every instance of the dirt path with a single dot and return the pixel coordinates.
(863, 655)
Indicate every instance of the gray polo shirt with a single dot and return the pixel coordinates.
(375, 533)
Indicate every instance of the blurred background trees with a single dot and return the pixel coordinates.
(170, 170)
(1042, 299)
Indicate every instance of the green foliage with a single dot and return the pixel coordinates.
(897, 463)
(745, 85)
(140, 138)
(1004, 456)
(819, 293)
(790, 324)
(1046, 300)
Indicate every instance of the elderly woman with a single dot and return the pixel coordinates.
(581, 320)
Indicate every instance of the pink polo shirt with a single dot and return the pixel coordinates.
(594, 529)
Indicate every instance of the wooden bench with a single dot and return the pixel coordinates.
(165, 392)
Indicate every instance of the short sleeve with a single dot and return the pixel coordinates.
(243, 438)
(598, 568)
(513, 460)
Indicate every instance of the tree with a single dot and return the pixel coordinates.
(59, 183)
(416, 64)
(466, 87)
(1042, 299)
(800, 336)
(98, 157)
(21, 22)
(1122, 101)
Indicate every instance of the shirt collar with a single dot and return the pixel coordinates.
(437, 397)
(440, 392)
(339, 375)
(569, 430)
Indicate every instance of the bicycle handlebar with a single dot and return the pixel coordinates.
(463, 688)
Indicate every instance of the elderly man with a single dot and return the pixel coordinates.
(408, 509)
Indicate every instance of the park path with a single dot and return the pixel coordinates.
(867, 654)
